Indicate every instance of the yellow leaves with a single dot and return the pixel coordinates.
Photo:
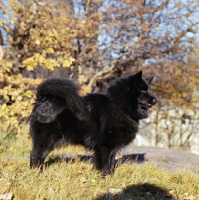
(128, 1)
(49, 63)
(178, 73)
(8, 29)
(184, 94)
(82, 79)
(16, 103)
(158, 27)
(3, 107)
(12, 22)
(32, 8)
(41, 198)
(85, 28)
(41, 60)
(30, 67)
(50, 50)
(23, 25)
(37, 42)
(83, 22)
(5, 66)
(30, 63)
(54, 31)
(28, 94)
(175, 97)
(88, 34)
(68, 62)
(85, 90)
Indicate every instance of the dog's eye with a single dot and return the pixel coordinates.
(143, 91)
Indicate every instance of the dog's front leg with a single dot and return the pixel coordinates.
(45, 138)
(38, 154)
(104, 160)
(36, 159)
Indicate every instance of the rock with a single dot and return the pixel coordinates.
(167, 158)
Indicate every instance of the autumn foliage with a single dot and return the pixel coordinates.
(93, 42)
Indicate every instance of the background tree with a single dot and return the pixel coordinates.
(95, 41)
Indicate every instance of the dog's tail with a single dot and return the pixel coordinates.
(55, 95)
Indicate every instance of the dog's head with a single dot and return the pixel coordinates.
(140, 92)
(131, 93)
(145, 99)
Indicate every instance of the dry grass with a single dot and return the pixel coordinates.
(77, 180)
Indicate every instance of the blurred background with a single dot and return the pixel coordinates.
(95, 41)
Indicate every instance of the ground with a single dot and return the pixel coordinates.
(62, 178)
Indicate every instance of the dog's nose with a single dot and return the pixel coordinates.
(154, 101)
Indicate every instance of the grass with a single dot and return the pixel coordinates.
(77, 180)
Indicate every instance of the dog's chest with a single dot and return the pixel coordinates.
(122, 131)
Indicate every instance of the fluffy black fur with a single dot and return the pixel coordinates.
(103, 123)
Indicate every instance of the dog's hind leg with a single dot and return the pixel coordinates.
(104, 160)
(45, 138)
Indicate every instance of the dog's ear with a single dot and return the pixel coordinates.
(149, 79)
(137, 77)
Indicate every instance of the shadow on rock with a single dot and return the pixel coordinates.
(137, 192)
(137, 158)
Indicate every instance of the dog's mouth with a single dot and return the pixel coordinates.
(145, 106)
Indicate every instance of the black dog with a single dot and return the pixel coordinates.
(103, 123)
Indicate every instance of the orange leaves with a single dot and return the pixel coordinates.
(146, 27)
